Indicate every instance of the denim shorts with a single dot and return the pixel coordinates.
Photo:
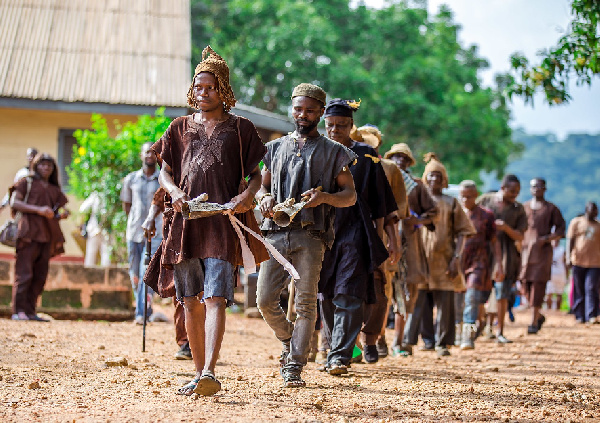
(503, 289)
(210, 276)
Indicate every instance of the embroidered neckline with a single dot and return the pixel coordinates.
(207, 150)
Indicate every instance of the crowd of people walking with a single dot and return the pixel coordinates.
(369, 237)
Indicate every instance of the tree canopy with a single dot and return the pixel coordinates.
(415, 80)
(576, 55)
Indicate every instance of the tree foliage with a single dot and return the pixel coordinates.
(570, 168)
(576, 55)
(417, 83)
(101, 161)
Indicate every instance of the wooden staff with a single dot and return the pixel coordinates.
(147, 261)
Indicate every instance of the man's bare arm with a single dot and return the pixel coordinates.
(245, 201)
(514, 234)
(265, 199)
(498, 267)
(165, 179)
(346, 197)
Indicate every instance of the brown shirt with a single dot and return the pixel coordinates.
(586, 236)
(537, 256)
(209, 165)
(394, 177)
(477, 254)
(420, 203)
(450, 222)
(33, 227)
(514, 216)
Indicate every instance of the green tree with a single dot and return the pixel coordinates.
(576, 55)
(101, 161)
(417, 83)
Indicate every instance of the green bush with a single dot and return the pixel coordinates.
(100, 162)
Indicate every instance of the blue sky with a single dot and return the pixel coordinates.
(501, 27)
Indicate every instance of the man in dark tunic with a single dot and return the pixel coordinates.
(545, 224)
(413, 266)
(347, 277)
(295, 166)
(210, 152)
(372, 136)
(477, 263)
(511, 223)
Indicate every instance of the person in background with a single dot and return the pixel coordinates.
(583, 254)
(41, 201)
(511, 224)
(21, 173)
(545, 225)
(97, 238)
(136, 195)
(480, 256)
(413, 268)
(558, 277)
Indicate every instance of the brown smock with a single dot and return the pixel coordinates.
(514, 216)
(33, 227)
(450, 222)
(212, 165)
(536, 264)
(420, 204)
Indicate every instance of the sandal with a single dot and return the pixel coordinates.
(207, 385)
(189, 388)
(291, 377)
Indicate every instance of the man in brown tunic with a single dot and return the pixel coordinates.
(413, 267)
(443, 249)
(511, 223)
(545, 224)
(210, 152)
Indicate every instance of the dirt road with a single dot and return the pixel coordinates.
(56, 372)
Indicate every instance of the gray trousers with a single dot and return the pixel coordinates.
(306, 255)
(444, 303)
(342, 318)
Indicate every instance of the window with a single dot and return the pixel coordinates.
(66, 141)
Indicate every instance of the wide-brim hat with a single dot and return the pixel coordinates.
(400, 148)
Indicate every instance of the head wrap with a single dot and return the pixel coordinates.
(215, 64)
(401, 148)
(356, 135)
(339, 107)
(310, 90)
(434, 165)
(371, 135)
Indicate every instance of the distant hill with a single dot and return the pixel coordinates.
(571, 169)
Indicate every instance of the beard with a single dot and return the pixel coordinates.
(305, 127)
